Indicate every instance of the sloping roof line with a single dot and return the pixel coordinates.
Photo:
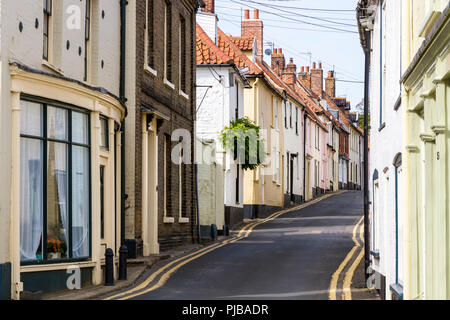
(207, 51)
(240, 59)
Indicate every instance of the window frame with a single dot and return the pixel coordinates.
(47, 32)
(87, 38)
(168, 43)
(182, 54)
(46, 140)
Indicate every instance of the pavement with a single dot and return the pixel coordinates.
(307, 252)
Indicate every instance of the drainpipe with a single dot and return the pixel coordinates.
(366, 154)
(123, 99)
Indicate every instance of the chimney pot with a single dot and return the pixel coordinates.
(314, 65)
(302, 69)
(280, 50)
(320, 65)
(247, 14)
(307, 69)
(291, 60)
(256, 14)
(209, 6)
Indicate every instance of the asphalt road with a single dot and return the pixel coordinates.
(291, 257)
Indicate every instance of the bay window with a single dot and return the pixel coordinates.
(54, 183)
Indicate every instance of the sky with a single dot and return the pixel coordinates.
(296, 26)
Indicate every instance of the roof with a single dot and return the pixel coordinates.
(230, 49)
(243, 43)
(207, 51)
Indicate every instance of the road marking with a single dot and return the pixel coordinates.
(336, 274)
(156, 273)
(133, 292)
(346, 291)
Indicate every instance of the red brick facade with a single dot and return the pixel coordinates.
(317, 79)
(253, 28)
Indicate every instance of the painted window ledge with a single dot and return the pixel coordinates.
(52, 67)
(169, 220)
(184, 95)
(151, 71)
(183, 220)
(169, 84)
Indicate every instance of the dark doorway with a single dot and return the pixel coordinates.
(291, 178)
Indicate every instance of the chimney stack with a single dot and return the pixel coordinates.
(317, 79)
(278, 61)
(253, 28)
(290, 74)
(330, 84)
(305, 77)
(209, 6)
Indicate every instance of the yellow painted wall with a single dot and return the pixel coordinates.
(258, 102)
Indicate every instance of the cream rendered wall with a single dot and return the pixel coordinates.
(5, 138)
(385, 143)
(426, 115)
(130, 120)
(258, 107)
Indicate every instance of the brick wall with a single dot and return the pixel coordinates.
(330, 84)
(317, 79)
(152, 92)
(254, 28)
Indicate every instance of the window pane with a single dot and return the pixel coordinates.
(31, 118)
(57, 198)
(80, 130)
(31, 186)
(57, 123)
(103, 132)
(80, 201)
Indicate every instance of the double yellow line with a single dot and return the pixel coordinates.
(174, 265)
(347, 281)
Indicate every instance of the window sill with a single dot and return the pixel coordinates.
(168, 220)
(169, 84)
(183, 220)
(52, 67)
(375, 254)
(184, 95)
(150, 71)
(56, 266)
(382, 126)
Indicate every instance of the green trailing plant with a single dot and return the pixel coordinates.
(242, 137)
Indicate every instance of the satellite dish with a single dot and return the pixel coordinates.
(268, 52)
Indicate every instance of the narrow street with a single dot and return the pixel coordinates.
(291, 257)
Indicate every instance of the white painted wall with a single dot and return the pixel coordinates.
(385, 144)
(213, 114)
(293, 144)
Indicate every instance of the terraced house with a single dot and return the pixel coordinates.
(409, 188)
(160, 202)
(220, 100)
(61, 117)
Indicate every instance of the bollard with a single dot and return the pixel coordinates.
(226, 230)
(213, 232)
(123, 253)
(109, 267)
